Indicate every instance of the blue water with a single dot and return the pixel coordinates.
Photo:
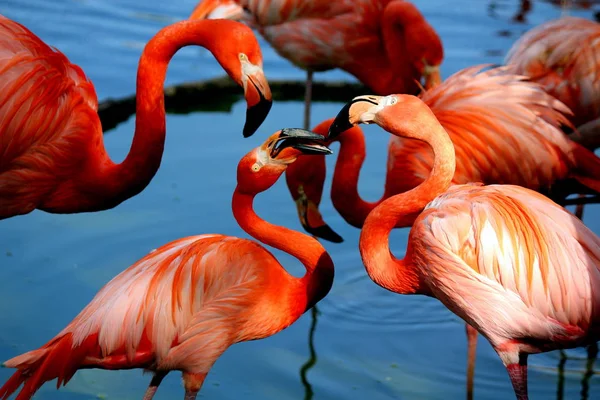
(369, 343)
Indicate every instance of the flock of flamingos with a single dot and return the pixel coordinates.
(480, 166)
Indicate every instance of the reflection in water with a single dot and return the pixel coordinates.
(312, 358)
(560, 388)
(592, 352)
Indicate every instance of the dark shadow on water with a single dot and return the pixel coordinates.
(312, 358)
(560, 388)
(220, 94)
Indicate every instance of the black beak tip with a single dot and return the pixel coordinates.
(324, 232)
(255, 116)
(341, 122)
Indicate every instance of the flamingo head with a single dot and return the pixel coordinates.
(394, 113)
(262, 167)
(238, 52)
(305, 179)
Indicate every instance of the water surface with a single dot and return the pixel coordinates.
(368, 343)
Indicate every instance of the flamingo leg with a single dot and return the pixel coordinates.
(471, 353)
(517, 371)
(154, 383)
(192, 382)
(307, 98)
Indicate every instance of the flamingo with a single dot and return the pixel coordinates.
(510, 262)
(388, 45)
(504, 129)
(562, 55)
(52, 155)
(181, 306)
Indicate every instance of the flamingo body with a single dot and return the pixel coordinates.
(516, 266)
(562, 56)
(49, 122)
(505, 130)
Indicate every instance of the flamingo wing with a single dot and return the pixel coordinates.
(563, 56)
(48, 117)
(505, 129)
(512, 263)
(179, 307)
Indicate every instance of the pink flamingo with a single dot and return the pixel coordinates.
(184, 304)
(510, 262)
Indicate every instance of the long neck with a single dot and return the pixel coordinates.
(344, 188)
(396, 16)
(319, 266)
(139, 167)
(399, 275)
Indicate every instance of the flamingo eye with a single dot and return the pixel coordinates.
(243, 57)
(255, 167)
(388, 101)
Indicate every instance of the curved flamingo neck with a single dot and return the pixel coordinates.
(399, 275)
(344, 188)
(139, 167)
(319, 265)
(396, 17)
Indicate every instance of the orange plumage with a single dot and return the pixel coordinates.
(505, 130)
(52, 155)
(562, 55)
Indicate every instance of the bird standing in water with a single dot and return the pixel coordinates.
(504, 129)
(511, 263)
(52, 155)
(388, 45)
(184, 304)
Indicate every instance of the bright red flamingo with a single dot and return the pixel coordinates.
(504, 129)
(386, 44)
(562, 55)
(184, 304)
(52, 155)
(514, 265)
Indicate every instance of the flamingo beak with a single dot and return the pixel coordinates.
(305, 141)
(360, 109)
(258, 97)
(432, 76)
(312, 221)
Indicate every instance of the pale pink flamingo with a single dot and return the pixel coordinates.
(514, 265)
(184, 304)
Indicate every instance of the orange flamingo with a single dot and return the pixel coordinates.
(562, 55)
(52, 155)
(510, 262)
(386, 44)
(184, 304)
(504, 129)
